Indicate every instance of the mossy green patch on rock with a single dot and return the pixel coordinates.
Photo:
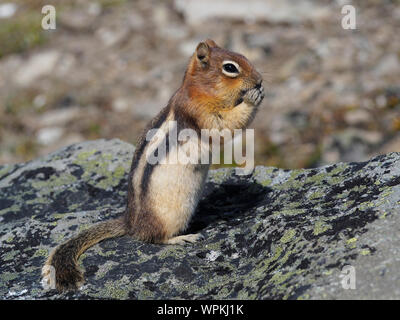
(41, 252)
(102, 166)
(352, 243)
(115, 289)
(6, 169)
(288, 235)
(320, 227)
(9, 255)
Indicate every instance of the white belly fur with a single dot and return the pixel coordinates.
(175, 192)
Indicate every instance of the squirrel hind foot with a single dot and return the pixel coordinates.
(187, 238)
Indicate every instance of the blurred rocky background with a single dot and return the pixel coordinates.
(111, 65)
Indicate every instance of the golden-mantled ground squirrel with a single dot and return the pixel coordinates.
(220, 90)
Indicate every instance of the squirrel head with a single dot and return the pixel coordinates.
(218, 79)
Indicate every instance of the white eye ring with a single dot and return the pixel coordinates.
(231, 74)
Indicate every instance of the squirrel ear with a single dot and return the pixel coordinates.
(211, 43)
(203, 53)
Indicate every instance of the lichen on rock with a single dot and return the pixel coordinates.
(273, 234)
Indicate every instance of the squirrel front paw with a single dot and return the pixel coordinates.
(255, 95)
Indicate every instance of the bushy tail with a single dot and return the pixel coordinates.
(61, 270)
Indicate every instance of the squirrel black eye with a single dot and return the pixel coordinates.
(231, 68)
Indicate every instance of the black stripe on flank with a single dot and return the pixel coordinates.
(148, 169)
(142, 142)
(139, 152)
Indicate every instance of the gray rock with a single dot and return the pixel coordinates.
(274, 234)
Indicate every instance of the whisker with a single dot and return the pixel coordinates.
(266, 75)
